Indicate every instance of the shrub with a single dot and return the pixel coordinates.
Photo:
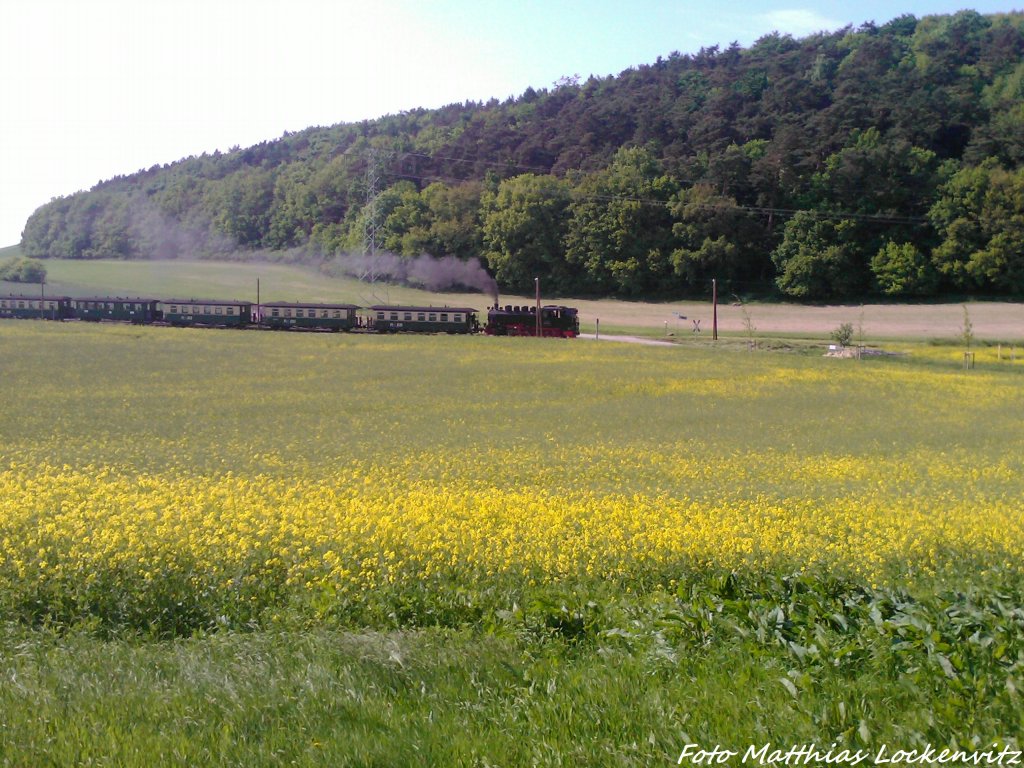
(843, 335)
(23, 270)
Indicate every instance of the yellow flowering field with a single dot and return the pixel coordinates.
(183, 478)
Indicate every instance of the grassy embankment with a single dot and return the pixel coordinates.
(237, 548)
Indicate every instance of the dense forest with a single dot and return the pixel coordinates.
(882, 160)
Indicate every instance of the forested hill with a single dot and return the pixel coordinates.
(887, 159)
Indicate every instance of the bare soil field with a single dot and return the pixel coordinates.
(993, 321)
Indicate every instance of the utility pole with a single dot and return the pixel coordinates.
(714, 309)
(536, 283)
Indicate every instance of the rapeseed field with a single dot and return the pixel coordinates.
(237, 475)
(844, 538)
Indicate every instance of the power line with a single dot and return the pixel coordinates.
(868, 218)
(770, 211)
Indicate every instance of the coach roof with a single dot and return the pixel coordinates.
(389, 308)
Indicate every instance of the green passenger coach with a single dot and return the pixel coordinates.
(206, 312)
(137, 310)
(285, 314)
(45, 307)
(390, 319)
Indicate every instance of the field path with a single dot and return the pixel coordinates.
(627, 339)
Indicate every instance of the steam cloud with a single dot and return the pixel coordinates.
(424, 271)
(160, 236)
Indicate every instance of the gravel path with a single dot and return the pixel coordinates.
(629, 339)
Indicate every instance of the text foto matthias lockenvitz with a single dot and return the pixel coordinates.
(811, 754)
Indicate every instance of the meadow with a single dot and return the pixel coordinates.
(244, 548)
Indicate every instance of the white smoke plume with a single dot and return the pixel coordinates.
(424, 271)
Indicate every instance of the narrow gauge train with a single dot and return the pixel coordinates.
(556, 321)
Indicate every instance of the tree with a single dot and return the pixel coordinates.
(524, 226)
(620, 229)
(454, 217)
(240, 206)
(980, 218)
(816, 259)
(23, 270)
(716, 238)
(900, 269)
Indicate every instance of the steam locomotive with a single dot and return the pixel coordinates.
(552, 320)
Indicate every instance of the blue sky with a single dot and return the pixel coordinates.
(106, 87)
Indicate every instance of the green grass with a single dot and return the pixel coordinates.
(582, 671)
(236, 280)
(634, 695)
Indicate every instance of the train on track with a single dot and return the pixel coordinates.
(549, 320)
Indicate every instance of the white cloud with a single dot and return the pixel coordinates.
(799, 22)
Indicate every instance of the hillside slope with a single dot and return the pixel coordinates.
(885, 159)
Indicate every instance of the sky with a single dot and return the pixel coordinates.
(92, 89)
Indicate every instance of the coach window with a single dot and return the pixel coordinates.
(217, 310)
(422, 316)
(380, 315)
(444, 317)
(394, 315)
(335, 314)
(408, 316)
(433, 317)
